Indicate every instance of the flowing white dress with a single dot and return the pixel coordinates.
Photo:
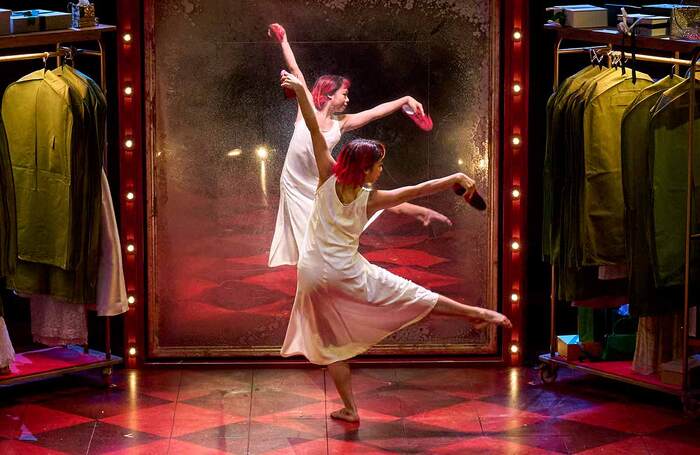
(344, 305)
(298, 184)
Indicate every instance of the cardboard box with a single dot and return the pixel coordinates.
(648, 25)
(5, 26)
(54, 20)
(670, 372)
(567, 347)
(583, 16)
(24, 22)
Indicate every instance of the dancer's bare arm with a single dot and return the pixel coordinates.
(384, 199)
(324, 160)
(278, 32)
(351, 122)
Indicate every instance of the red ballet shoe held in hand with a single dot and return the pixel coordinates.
(422, 121)
(288, 92)
(475, 199)
(277, 32)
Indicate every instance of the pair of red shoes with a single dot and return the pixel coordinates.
(475, 200)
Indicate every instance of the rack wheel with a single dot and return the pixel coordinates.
(691, 405)
(548, 373)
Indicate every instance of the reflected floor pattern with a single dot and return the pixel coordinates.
(284, 411)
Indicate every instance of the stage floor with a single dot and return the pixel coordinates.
(283, 411)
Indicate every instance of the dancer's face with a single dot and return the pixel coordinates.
(375, 172)
(339, 101)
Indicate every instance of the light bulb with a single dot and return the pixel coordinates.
(129, 143)
(262, 152)
(515, 140)
(131, 299)
(515, 245)
(517, 88)
(130, 248)
(460, 162)
(130, 196)
(517, 36)
(235, 152)
(515, 193)
(514, 348)
(127, 37)
(132, 351)
(128, 91)
(514, 297)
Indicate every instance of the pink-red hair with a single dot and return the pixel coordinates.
(326, 85)
(355, 158)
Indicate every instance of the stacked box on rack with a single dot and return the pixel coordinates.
(39, 20)
(648, 25)
(582, 16)
(5, 27)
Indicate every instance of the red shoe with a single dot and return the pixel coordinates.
(422, 121)
(276, 31)
(475, 200)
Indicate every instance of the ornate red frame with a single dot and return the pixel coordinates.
(513, 136)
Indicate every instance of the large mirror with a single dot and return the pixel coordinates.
(219, 131)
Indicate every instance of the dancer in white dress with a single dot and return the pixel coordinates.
(344, 305)
(299, 176)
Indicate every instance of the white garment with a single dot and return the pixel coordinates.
(298, 184)
(344, 305)
(111, 290)
(56, 322)
(7, 352)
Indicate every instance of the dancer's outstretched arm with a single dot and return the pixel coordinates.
(384, 199)
(278, 32)
(324, 160)
(351, 122)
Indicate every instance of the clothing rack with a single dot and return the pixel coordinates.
(84, 358)
(608, 39)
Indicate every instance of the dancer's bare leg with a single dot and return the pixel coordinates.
(340, 372)
(447, 306)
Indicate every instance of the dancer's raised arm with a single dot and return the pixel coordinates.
(324, 160)
(353, 121)
(390, 198)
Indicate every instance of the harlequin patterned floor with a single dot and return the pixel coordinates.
(283, 411)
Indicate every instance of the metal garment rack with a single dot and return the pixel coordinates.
(608, 39)
(58, 38)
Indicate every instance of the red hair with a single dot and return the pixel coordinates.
(327, 85)
(355, 158)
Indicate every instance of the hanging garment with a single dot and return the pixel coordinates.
(636, 184)
(79, 283)
(7, 352)
(668, 152)
(344, 305)
(298, 184)
(39, 122)
(56, 322)
(8, 213)
(111, 288)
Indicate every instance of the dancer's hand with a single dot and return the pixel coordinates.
(415, 106)
(277, 32)
(467, 183)
(290, 81)
(429, 217)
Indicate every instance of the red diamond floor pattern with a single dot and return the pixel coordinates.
(458, 410)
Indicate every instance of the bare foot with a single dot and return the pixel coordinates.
(492, 317)
(346, 415)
